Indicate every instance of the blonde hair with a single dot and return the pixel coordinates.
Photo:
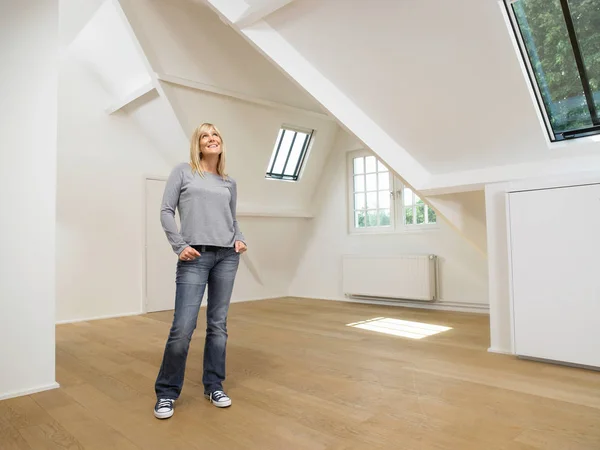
(196, 155)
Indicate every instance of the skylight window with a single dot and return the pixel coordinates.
(289, 153)
(560, 44)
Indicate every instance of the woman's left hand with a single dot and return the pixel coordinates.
(240, 247)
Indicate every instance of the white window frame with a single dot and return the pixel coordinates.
(413, 204)
(396, 190)
(350, 198)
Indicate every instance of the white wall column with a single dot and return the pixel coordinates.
(28, 123)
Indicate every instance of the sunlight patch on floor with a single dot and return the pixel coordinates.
(402, 328)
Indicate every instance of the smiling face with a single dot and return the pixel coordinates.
(210, 143)
(207, 148)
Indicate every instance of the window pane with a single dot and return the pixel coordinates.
(275, 148)
(419, 201)
(359, 165)
(284, 149)
(420, 213)
(408, 196)
(359, 201)
(431, 215)
(370, 164)
(372, 218)
(287, 158)
(586, 20)
(381, 167)
(384, 199)
(384, 217)
(359, 183)
(359, 219)
(301, 139)
(546, 39)
(372, 182)
(372, 200)
(384, 181)
(408, 215)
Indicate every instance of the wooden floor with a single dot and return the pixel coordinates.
(300, 378)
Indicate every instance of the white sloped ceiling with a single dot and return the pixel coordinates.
(440, 78)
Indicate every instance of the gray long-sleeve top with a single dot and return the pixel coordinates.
(207, 209)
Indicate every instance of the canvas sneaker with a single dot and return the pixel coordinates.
(219, 399)
(163, 408)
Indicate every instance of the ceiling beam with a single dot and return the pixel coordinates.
(240, 13)
(130, 98)
(254, 14)
(173, 79)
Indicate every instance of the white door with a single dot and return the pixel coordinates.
(555, 248)
(161, 261)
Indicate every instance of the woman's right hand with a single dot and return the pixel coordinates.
(189, 254)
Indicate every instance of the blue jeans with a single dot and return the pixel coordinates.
(217, 269)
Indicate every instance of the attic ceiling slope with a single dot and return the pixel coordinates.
(258, 10)
(187, 40)
(454, 101)
(105, 48)
(352, 119)
(251, 127)
(443, 79)
(276, 49)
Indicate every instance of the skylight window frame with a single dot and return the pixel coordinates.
(295, 176)
(582, 71)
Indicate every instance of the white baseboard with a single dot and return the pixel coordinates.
(89, 319)
(257, 299)
(483, 309)
(137, 313)
(559, 363)
(500, 351)
(35, 390)
(244, 300)
(439, 305)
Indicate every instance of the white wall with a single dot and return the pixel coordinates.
(105, 47)
(102, 160)
(28, 50)
(101, 200)
(250, 133)
(463, 269)
(265, 271)
(274, 248)
(465, 211)
(80, 12)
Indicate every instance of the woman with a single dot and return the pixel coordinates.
(209, 247)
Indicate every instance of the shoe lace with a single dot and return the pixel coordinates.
(218, 395)
(164, 403)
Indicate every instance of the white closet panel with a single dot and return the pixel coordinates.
(555, 250)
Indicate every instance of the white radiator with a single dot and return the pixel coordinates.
(405, 277)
